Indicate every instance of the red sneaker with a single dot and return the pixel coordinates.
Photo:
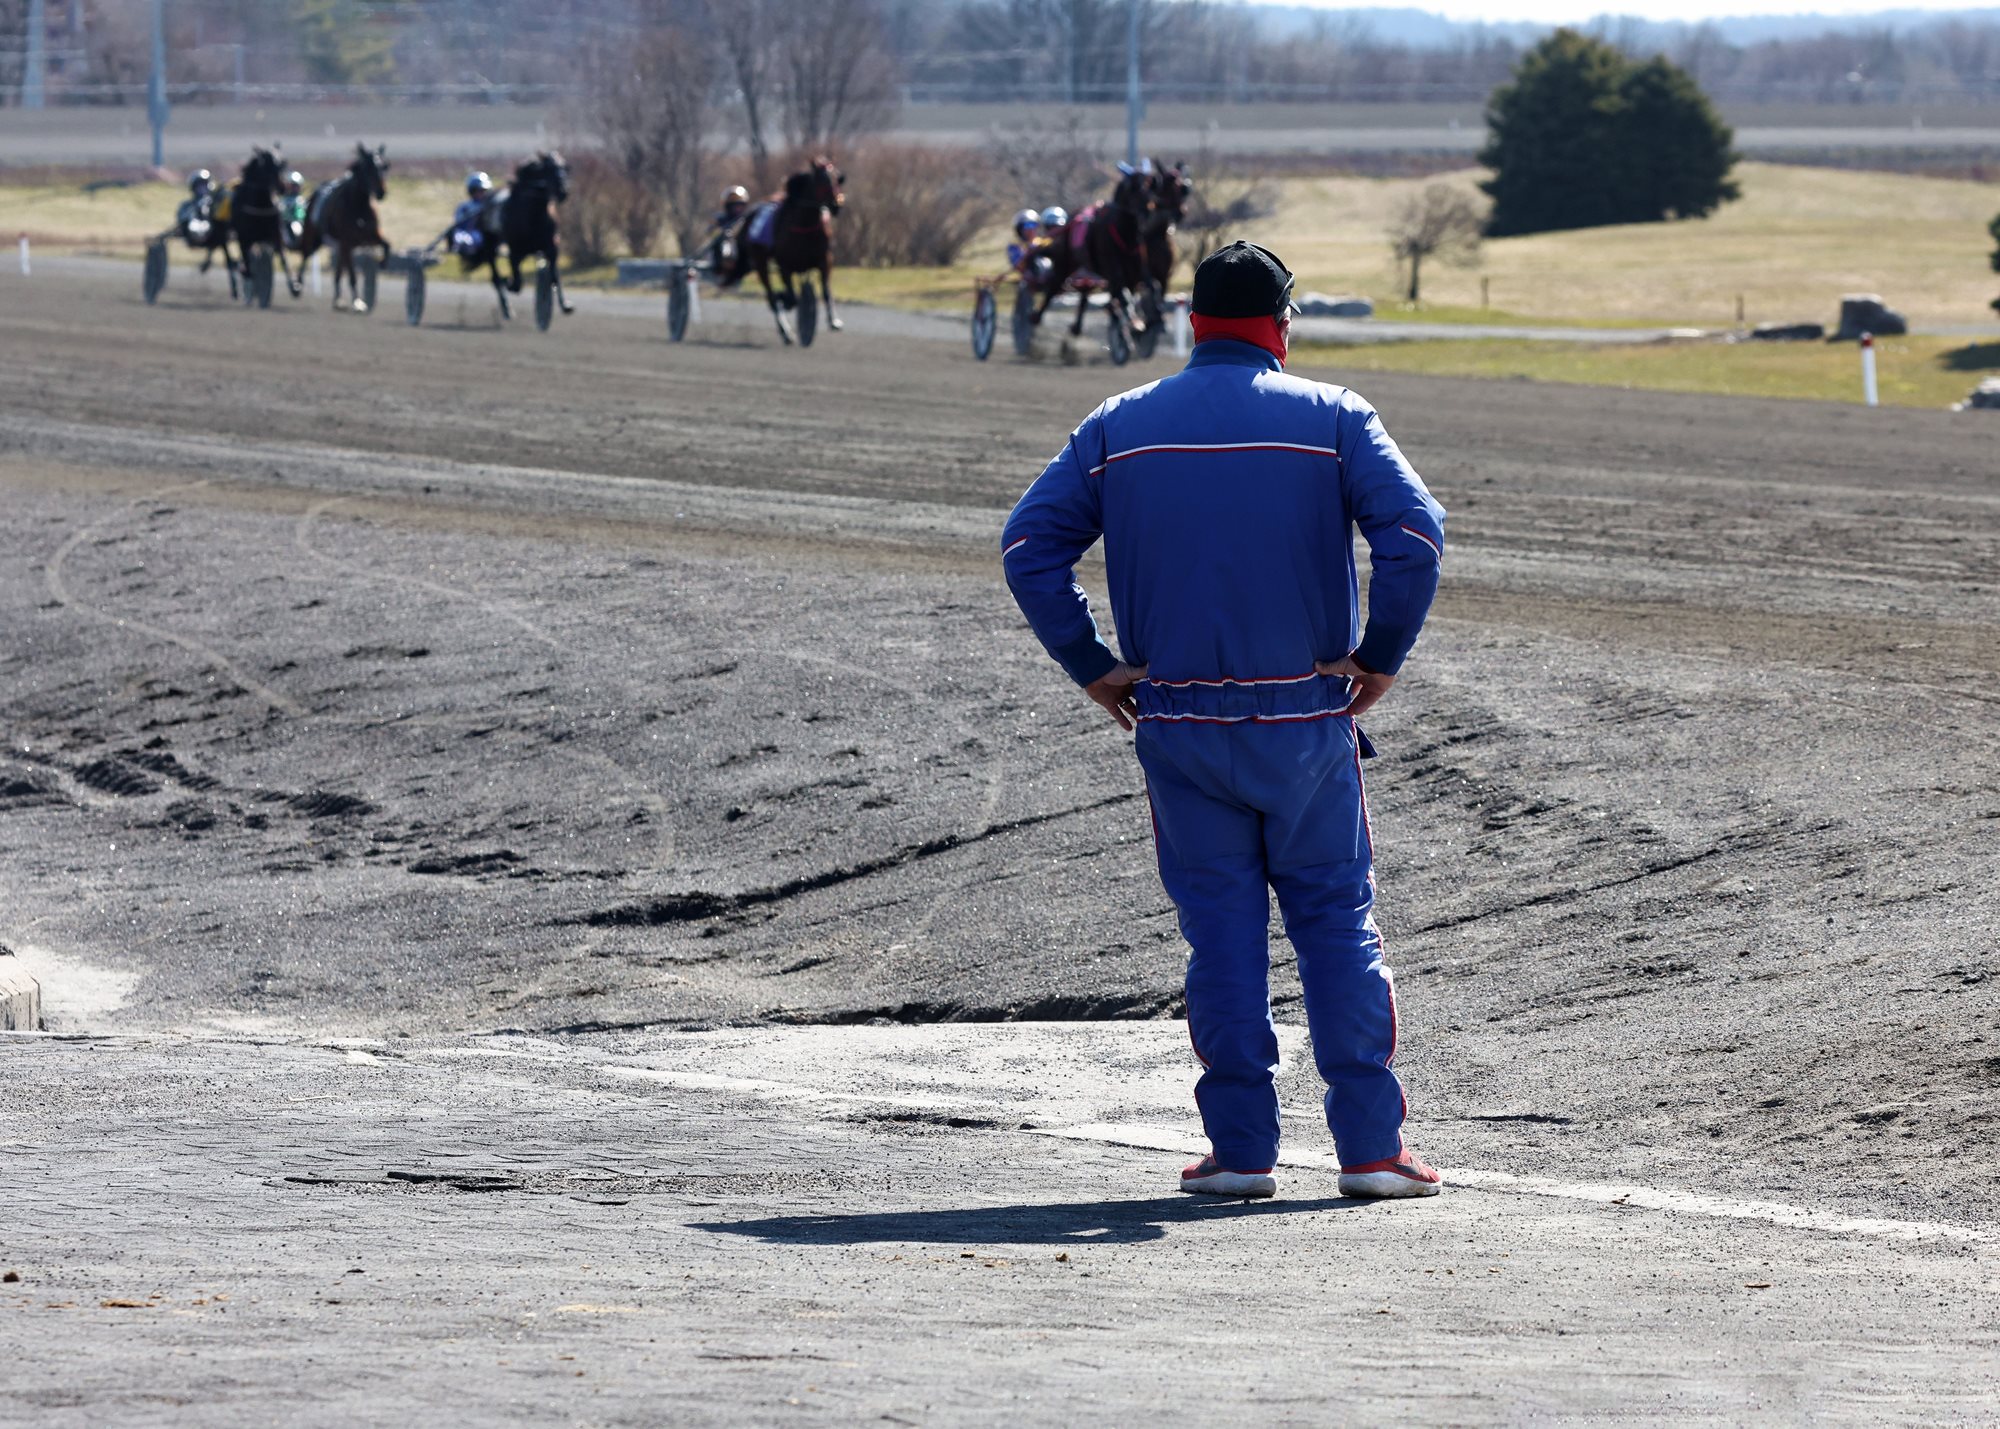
(1208, 1177)
(1404, 1174)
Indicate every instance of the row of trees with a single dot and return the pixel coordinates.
(783, 76)
(978, 50)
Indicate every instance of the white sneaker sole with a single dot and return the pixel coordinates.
(1386, 1186)
(1232, 1183)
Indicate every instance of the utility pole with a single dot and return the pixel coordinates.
(156, 86)
(36, 65)
(1133, 104)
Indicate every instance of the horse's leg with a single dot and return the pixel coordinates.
(555, 273)
(285, 267)
(826, 290)
(514, 264)
(499, 288)
(763, 264)
(355, 302)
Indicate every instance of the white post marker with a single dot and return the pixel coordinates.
(1182, 324)
(24, 255)
(694, 296)
(1868, 391)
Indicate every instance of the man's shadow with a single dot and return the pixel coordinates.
(1077, 1223)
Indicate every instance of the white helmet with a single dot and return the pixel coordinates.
(1055, 216)
(1026, 219)
(477, 183)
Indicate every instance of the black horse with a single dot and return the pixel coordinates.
(342, 215)
(523, 218)
(796, 233)
(1106, 243)
(255, 216)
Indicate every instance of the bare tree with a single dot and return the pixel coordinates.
(1049, 162)
(1440, 220)
(743, 31)
(833, 69)
(1225, 201)
(652, 101)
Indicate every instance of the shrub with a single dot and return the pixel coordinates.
(911, 204)
(606, 212)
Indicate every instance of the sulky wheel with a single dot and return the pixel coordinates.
(545, 297)
(413, 295)
(1118, 340)
(808, 314)
(1150, 314)
(678, 278)
(262, 270)
(156, 269)
(985, 322)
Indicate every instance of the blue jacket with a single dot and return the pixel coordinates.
(1227, 496)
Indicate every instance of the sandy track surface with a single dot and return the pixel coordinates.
(363, 681)
(507, 1231)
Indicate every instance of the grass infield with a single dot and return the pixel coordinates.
(1912, 372)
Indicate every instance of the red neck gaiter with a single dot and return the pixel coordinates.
(1258, 332)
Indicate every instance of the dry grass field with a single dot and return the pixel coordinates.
(1913, 372)
(119, 220)
(1795, 241)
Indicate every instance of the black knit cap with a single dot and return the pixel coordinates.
(1242, 281)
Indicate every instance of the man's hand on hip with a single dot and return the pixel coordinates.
(1368, 686)
(1113, 690)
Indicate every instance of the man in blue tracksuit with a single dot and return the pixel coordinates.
(1226, 497)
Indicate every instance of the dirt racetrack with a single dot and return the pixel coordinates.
(378, 680)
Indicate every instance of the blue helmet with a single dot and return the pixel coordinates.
(478, 183)
(1055, 216)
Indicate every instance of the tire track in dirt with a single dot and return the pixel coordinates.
(59, 591)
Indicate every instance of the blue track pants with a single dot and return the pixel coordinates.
(1239, 810)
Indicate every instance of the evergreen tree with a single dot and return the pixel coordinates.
(1994, 229)
(1581, 137)
(1546, 133)
(1673, 150)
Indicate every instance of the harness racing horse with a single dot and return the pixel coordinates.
(255, 216)
(1105, 243)
(342, 215)
(797, 236)
(523, 217)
